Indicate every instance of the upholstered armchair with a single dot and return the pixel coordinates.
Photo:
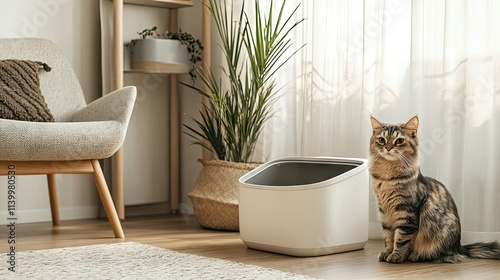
(79, 134)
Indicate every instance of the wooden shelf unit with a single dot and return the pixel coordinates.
(118, 72)
(169, 4)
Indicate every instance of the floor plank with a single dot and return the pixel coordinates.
(183, 234)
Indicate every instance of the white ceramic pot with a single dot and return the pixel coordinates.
(159, 55)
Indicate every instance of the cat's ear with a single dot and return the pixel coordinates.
(412, 125)
(376, 124)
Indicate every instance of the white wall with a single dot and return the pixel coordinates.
(146, 163)
(190, 20)
(146, 145)
(74, 26)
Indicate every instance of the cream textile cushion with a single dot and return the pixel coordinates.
(80, 131)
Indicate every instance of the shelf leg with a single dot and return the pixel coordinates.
(174, 130)
(117, 160)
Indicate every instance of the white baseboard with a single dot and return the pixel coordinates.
(186, 209)
(149, 209)
(78, 213)
(374, 230)
(43, 215)
(91, 212)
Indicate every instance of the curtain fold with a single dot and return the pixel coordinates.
(395, 59)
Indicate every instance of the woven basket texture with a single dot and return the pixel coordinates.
(215, 193)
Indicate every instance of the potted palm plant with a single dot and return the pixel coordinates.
(172, 52)
(230, 124)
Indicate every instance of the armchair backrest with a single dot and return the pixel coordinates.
(60, 87)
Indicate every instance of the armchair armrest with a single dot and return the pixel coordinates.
(114, 106)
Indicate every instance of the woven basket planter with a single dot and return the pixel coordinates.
(215, 194)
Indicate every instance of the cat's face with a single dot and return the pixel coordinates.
(395, 141)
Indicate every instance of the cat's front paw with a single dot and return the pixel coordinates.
(413, 257)
(395, 258)
(382, 257)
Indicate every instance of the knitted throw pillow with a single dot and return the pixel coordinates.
(20, 95)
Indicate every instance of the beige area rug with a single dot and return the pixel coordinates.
(130, 261)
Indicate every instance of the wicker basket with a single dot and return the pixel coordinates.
(215, 194)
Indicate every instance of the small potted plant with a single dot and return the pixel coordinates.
(239, 103)
(171, 52)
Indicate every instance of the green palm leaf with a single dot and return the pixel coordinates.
(235, 117)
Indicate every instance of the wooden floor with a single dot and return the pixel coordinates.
(183, 234)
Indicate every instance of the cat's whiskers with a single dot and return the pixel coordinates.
(404, 160)
(375, 156)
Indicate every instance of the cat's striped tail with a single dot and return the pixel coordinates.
(483, 250)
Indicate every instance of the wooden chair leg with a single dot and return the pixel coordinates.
(107, 200)
(54, 202)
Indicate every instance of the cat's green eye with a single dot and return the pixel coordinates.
(400, 141)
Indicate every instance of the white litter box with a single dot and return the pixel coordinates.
(305, 206)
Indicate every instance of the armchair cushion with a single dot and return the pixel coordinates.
(20, 95)
(96, 131)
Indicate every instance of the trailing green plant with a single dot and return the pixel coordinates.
(193, 45)
(234, 117)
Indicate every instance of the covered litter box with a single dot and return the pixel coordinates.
(305, 206)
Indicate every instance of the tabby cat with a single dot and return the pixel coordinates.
(419, 218)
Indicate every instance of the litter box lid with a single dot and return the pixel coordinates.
(295, 173)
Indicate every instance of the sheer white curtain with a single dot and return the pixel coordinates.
(395, 59)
